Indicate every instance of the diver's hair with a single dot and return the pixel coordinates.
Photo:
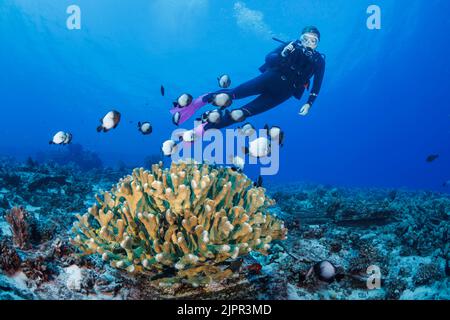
(311, 29)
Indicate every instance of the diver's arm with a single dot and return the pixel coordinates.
(317, 84)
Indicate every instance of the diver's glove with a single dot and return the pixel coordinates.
(305, 109)
(288, 49)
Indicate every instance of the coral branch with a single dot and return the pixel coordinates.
(20, 222)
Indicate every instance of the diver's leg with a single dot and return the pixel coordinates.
(226, 119)
(253, 87)
(259, 105)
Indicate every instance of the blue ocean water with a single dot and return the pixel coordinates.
(382, 110)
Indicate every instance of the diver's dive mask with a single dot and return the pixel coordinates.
(309, 40)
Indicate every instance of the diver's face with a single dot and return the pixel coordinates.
(309, 40)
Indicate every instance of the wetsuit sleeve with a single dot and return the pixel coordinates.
(317, 84)
(274, 57)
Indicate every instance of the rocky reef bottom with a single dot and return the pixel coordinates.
(384, 244)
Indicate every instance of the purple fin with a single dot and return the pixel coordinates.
(187, 112)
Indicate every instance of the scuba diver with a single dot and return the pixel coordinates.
(287, 73)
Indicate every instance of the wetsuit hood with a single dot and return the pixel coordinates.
(311, 29)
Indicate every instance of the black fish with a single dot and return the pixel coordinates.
(163, 91)
(166, 273)
(236, 265)
(259, 182)
(432, 157)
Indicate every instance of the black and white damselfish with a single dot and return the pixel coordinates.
(224, 81)
(109, 121)
(61, 138)
(145, 127)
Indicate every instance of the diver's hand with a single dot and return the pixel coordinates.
(305, 109)
(288, 49)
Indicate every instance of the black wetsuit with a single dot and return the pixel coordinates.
(281, 79)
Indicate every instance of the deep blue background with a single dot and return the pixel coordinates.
(383, 109)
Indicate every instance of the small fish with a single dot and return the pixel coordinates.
(204, 117)
(224, 81)
(183, 101)
(432, 158)
(169, 147)
(163, 91)
(255, 268)
(176, 118)
(109, 121)
(446, 183)
(238, 163)
(259, 182)
(222, 100)
(236, 265)
(61, 138)
(145, 128)
(212, 116)
(188, 136)
(325, 271)
(247, 129)
(275, 133)
(258, 148)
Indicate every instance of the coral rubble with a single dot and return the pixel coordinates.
(190, 217)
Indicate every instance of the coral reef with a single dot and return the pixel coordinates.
(51, 193)
(37, 269)
(75, 154)
(9, 259)
(190, 217)
(398, 231)
(404, 233)
(21, 223)
(428, 273)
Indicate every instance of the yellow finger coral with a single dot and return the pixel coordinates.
(191, 217)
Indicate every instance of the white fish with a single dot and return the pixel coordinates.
(325, 271)
(189, 136)
(176, 118)
(214, 116)
(169, 147)
(61, 137)
(224, 81)
(110, 121)
(184, 100)
(247, 129)
(145, 128)
(258, 148)
(275, 133)
(222, 100)
(238, 162)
